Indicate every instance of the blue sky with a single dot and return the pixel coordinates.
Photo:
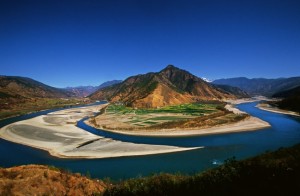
(71, 42)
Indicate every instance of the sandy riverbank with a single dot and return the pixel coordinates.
(248, 124)
(269, 108)
(57, 133)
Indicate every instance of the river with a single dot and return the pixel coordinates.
(285, 131)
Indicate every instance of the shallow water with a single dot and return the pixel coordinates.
(285, 131)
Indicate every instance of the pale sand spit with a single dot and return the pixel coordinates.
(57, 133)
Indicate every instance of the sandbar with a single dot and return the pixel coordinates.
(58, 134)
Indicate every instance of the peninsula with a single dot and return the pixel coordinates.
(174, 125)
(172, 102)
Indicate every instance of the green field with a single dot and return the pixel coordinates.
(153, 116)
(34, 105)
(196, 109)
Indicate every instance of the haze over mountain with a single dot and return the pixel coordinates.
(261, 86)
(167, 87)
(83, 91)
(288, 93)
(239, 93)
(21, 88)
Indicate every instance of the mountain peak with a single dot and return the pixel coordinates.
(170, 86)
(170, 67)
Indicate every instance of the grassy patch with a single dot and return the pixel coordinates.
(150, 122)
(168, 118)
(188, 109)
(15, 108)
(176, 116)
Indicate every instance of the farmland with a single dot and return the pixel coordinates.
(118, 116)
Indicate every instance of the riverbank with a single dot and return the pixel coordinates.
(248, 124)
(262, 172)
(269, 108)
(271, 173)
(27, 106)
(58, 134)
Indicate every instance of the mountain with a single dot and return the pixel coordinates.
(206, 79)
(261, 86)
(288, 93)
(22, 87)
(291, 99)
(109, 83)
(239, 93)
(83, 91)
(168, 87)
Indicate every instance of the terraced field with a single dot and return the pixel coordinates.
(121, 117)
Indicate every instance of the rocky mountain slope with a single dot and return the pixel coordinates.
(291, 99)
(20, 95)
(288, 93)
(22, 87)
(170, 86)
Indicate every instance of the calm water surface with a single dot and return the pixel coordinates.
(285, 131)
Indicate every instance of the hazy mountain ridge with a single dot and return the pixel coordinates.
(261, 86)
(83, 91)
(239, 93)
(168, 87)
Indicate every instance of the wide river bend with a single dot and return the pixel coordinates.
(285, 131)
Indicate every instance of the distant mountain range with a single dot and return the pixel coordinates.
(83, 91)
(17, 88)
(167, 87)
(261, 86)
(239, 93)
(21, 87)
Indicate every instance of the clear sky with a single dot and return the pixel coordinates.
(87, 42)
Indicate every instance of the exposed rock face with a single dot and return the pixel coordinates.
(170, 86)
